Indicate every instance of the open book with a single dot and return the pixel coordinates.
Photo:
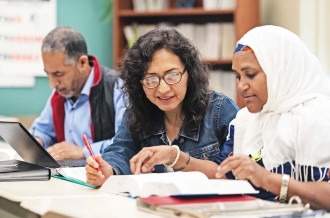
(175, 183)
(73, 174)
(77, 173)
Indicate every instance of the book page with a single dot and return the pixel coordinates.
(175, 184)
(229, 187)
(215, 187)
(78, 173)
(8, 153)
(151, 183)
(5, 155)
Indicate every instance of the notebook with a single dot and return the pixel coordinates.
(16, 170)
(21, 140)
(218, 206)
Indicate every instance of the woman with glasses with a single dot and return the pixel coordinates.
(173, 122)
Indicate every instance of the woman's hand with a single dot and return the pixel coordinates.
(148, 157)
(95, 177)
(243, 168)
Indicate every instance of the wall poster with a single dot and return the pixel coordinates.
(23, 26)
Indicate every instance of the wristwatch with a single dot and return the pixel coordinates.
(284, 188)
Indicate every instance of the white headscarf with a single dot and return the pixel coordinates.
(294, 124)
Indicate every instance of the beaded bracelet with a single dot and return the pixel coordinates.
(176, 158)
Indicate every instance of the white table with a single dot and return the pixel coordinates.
(67, 199)
(59, 198)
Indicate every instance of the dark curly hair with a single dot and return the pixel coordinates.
(134, 67)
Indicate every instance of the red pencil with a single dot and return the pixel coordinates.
(89, 147)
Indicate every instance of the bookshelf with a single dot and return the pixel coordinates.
(244, 16)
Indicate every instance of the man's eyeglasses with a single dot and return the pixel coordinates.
(154, 81)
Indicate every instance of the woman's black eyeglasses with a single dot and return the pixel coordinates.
(154, 81)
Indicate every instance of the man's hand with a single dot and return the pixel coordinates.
(40, 141)
(65, 150)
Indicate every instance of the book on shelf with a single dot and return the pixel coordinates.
(174, 183)
(187, 29)
(130, 35)
(214, 40)
(16, 170)
(229, 40)
(219, 4)
(150, 5)
(223, 82)
(217, 206)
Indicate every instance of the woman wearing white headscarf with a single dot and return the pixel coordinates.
(286, 124)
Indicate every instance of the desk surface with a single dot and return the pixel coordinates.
(69, 199)
(66, 199)
(19, 191)
(109, 205)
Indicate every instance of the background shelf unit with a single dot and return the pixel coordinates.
(244, 16)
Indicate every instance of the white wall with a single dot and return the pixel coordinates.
(284, 13)
(308, 19)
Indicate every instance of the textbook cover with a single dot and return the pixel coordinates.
(16, 170)
(217, 206)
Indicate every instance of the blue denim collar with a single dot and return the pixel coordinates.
(158, 128)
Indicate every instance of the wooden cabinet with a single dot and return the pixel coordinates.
(245, 16)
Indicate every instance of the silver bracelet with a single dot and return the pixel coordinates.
(284, 188)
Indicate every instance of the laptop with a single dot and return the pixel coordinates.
(31, 151)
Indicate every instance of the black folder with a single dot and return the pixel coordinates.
(16, 170)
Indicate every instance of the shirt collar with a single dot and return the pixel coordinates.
(88, 84)
(157, 128)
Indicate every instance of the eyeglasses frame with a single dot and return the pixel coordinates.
(162, 77)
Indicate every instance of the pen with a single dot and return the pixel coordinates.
(89, 147)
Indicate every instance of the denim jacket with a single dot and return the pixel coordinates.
(205, 143)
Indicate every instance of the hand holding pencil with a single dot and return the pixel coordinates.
(97, 169)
